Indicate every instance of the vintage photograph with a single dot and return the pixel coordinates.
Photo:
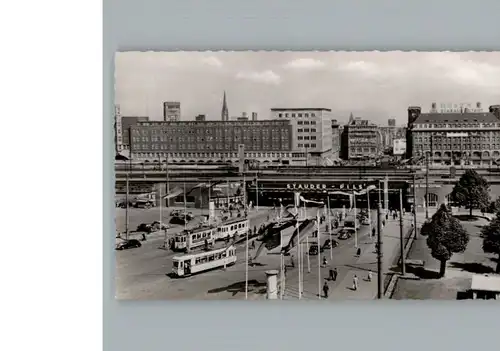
(307, 175)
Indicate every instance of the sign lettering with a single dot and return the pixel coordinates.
(342, 186)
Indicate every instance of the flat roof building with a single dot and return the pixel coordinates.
(212, 141)
(312, 133)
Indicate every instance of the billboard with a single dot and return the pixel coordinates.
(399, 146)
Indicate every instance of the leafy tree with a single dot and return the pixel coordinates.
(471, 191)
(445, 236)
(491, 238)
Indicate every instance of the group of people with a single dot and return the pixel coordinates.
(333, 277)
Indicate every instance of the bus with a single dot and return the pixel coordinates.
(232, 228)
(186, 265)
(191, 239)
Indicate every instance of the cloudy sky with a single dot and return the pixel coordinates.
(373, 85)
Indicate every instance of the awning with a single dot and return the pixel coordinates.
(485, 283)
(174, 193)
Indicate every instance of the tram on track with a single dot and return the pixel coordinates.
(186, 265)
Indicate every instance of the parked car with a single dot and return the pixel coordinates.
(128, 244)
(345, 234)
(313, 250)
(329, 244)
(365, 221)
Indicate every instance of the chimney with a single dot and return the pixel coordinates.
(495, 109)
(254, 116)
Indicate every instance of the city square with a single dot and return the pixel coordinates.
(305, 202)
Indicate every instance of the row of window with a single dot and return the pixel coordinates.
(306, 122)
(363, 149)
(466, 139)
(476, 124)
(458, 146)
(216, 155)
(306, 145)
(306, 115)
(173, 139)
(198, 131)
(306, 137)
(306, 130)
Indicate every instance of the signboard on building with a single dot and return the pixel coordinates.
(458, 108)
(399, 146)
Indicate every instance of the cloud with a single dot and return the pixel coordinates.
(465, 72)
(361, 67)
(304, 64)
(212, 61)
(266, 77)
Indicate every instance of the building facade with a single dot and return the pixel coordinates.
(118, 130)
(312, 133)
(126, 123)
(212, 141)
(454, 138)
(336, 139)
(171, 111)
(361, 139)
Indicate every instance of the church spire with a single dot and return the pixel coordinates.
(351, 118)
(224, 112)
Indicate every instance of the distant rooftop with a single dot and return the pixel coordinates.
(470, 117)
(301, 109)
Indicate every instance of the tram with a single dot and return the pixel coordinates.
(186, 265)
(192, 239)
(232, 229)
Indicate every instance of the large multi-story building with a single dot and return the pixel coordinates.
(312, 133)
(454, 137)
(126, 123)
(171, 111)
(212, 141)
(361, 139)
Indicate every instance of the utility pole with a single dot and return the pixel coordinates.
(380, 275)
(427, 186)
(126, 209)
(167, 191)
(401, 236)
(415, 205)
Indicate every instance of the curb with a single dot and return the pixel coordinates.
(395, 276)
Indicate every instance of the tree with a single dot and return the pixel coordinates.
(491, 239)
(445, 236)
(471, 191)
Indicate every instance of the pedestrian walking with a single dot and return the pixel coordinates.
(324, 261)
(355, 282)
(369, 278)
(330, 274)
(358, 252)
(325, 290)
(374, 231)
(292, 262)
(335, 273)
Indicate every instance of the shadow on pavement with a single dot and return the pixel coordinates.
(463, 295)
(467, 218)
(253, 286)
(422, 273)
(472, 267)
(361, 268)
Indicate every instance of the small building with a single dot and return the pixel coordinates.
(486, 287)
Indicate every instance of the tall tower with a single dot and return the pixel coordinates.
(224, 112)
(351, 118)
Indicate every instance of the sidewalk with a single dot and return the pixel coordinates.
(348, 265)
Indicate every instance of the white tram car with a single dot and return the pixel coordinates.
(186, 265)
(192, 239)
(232, 229)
